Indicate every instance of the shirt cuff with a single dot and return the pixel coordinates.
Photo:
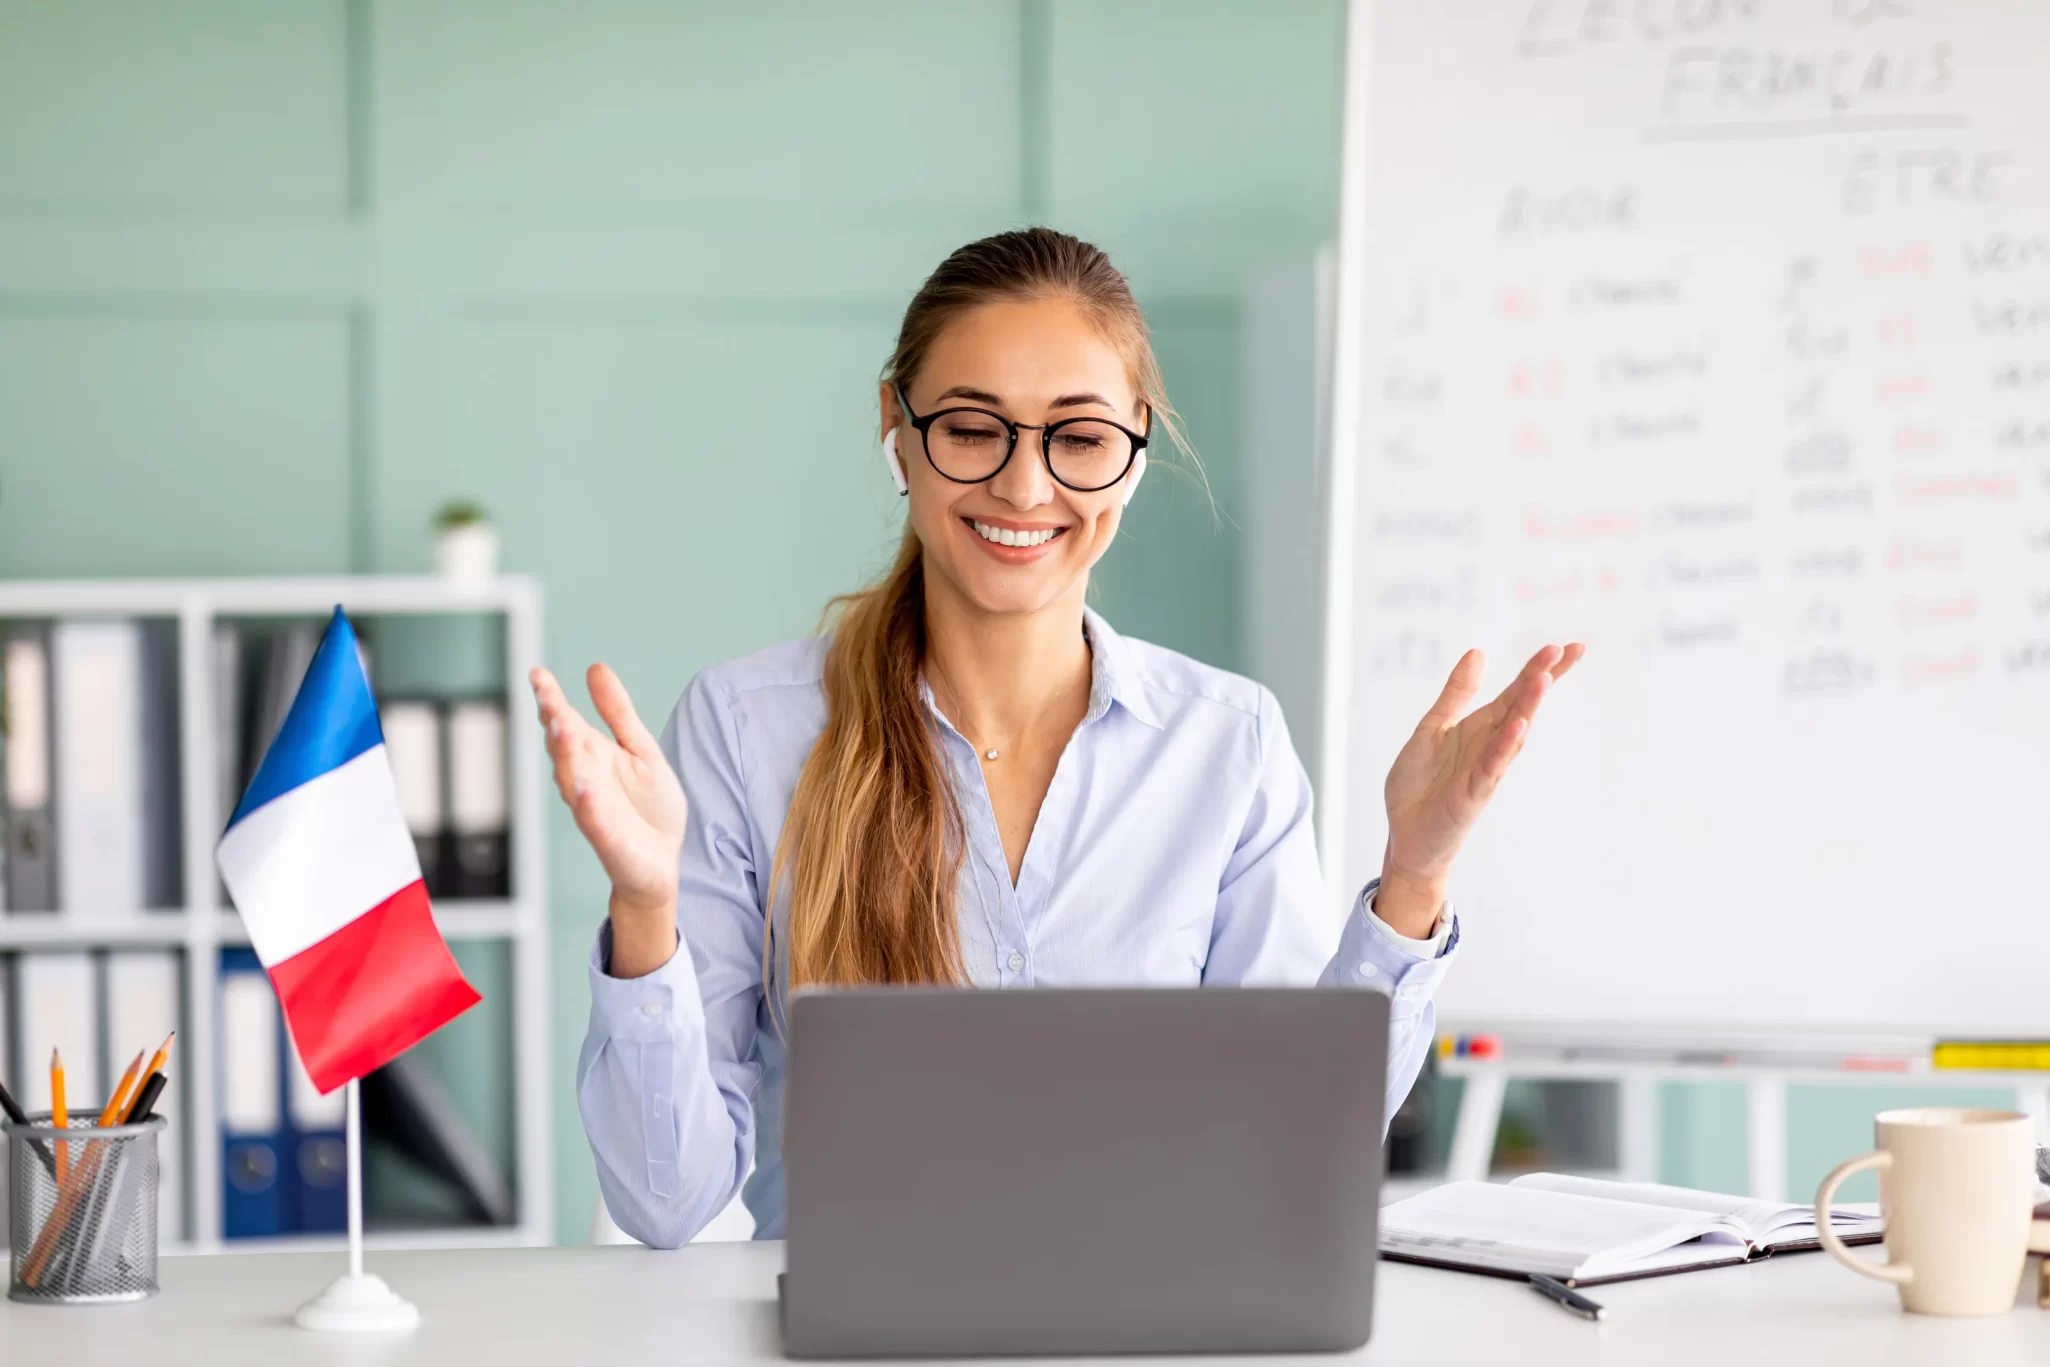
(646, 1009)
(1372, 955)
(1432, 948)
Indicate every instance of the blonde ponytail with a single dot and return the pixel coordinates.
(873, 843)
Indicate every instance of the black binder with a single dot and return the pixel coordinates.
(479, 807)
(28, 763)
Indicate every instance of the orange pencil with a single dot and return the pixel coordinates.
(59, 1116)
(117, 1104)
(156, 1060)
(156, 1065)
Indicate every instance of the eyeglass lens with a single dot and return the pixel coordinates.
(968, 444)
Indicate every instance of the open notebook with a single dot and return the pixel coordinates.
(1583, 1230)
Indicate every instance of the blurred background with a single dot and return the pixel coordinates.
(282, 281)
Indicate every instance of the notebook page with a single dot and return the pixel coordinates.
(1850, 1221)
(1762, 1221)
(1716, 1251)
(1523, 1229)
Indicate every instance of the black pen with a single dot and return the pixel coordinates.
(145, 1104)
(13, 1111)
(1566, 1296)
(10, 1107)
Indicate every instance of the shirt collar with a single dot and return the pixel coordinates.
(1113, 675)
(1113, 678)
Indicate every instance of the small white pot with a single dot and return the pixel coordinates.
(468, 553)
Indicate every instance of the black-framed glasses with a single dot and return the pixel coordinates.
(969, 445)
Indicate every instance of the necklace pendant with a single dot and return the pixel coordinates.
(991, 755)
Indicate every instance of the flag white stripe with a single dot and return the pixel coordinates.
(306, 864)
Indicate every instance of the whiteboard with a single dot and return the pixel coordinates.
(1714, 333)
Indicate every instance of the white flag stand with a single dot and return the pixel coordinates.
(357, 1302)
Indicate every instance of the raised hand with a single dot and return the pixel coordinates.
(1445, 775)
(629, 806)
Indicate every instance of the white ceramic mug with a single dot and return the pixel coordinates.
(1957, 1188)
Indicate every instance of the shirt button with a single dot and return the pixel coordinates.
(1369, 971)
(1016, 961)
(651, 1008)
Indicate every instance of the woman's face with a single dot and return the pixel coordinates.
(1032, 361)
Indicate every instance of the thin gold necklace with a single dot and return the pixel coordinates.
(990, 754)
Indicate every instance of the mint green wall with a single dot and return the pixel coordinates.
(277, 277)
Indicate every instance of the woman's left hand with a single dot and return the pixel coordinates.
(1445, 776)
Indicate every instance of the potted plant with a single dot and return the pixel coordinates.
(465, 542)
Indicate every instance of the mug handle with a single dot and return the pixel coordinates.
(1879, 1160)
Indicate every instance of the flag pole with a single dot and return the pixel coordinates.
(357, 1301)
(355, 1148)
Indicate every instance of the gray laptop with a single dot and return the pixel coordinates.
(1141, 1170)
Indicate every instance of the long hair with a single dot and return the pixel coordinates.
(873, 842)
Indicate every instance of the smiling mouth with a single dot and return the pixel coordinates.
(1005, 536)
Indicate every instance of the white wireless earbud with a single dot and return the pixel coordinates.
(896, 465)
(1138, 473)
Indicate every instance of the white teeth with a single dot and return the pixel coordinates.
(1004, 536)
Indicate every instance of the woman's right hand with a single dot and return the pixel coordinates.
(629, 806)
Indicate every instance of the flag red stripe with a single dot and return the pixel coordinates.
(371, 990)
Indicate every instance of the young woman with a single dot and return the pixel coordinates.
(973, 779)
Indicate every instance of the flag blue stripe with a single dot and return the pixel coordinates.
(333, 720)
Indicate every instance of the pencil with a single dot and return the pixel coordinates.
(155, 1069)
(117, 1104)
(160, 1058)
(59, 1116)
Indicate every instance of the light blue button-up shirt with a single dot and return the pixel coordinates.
(1173, 849)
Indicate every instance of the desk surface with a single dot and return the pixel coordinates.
(716, 1303)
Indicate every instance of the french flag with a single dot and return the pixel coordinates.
(319, 862)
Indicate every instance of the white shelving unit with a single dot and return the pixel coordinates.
(203, 924)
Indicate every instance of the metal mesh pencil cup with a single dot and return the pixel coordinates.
(92, 1237)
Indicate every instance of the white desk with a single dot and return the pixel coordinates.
(716, 1303)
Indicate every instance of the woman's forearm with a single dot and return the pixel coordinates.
(1409, 907)
(644, 936)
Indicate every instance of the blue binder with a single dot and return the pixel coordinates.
(254, 1186)
(320, 1183)
(317, 1184)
